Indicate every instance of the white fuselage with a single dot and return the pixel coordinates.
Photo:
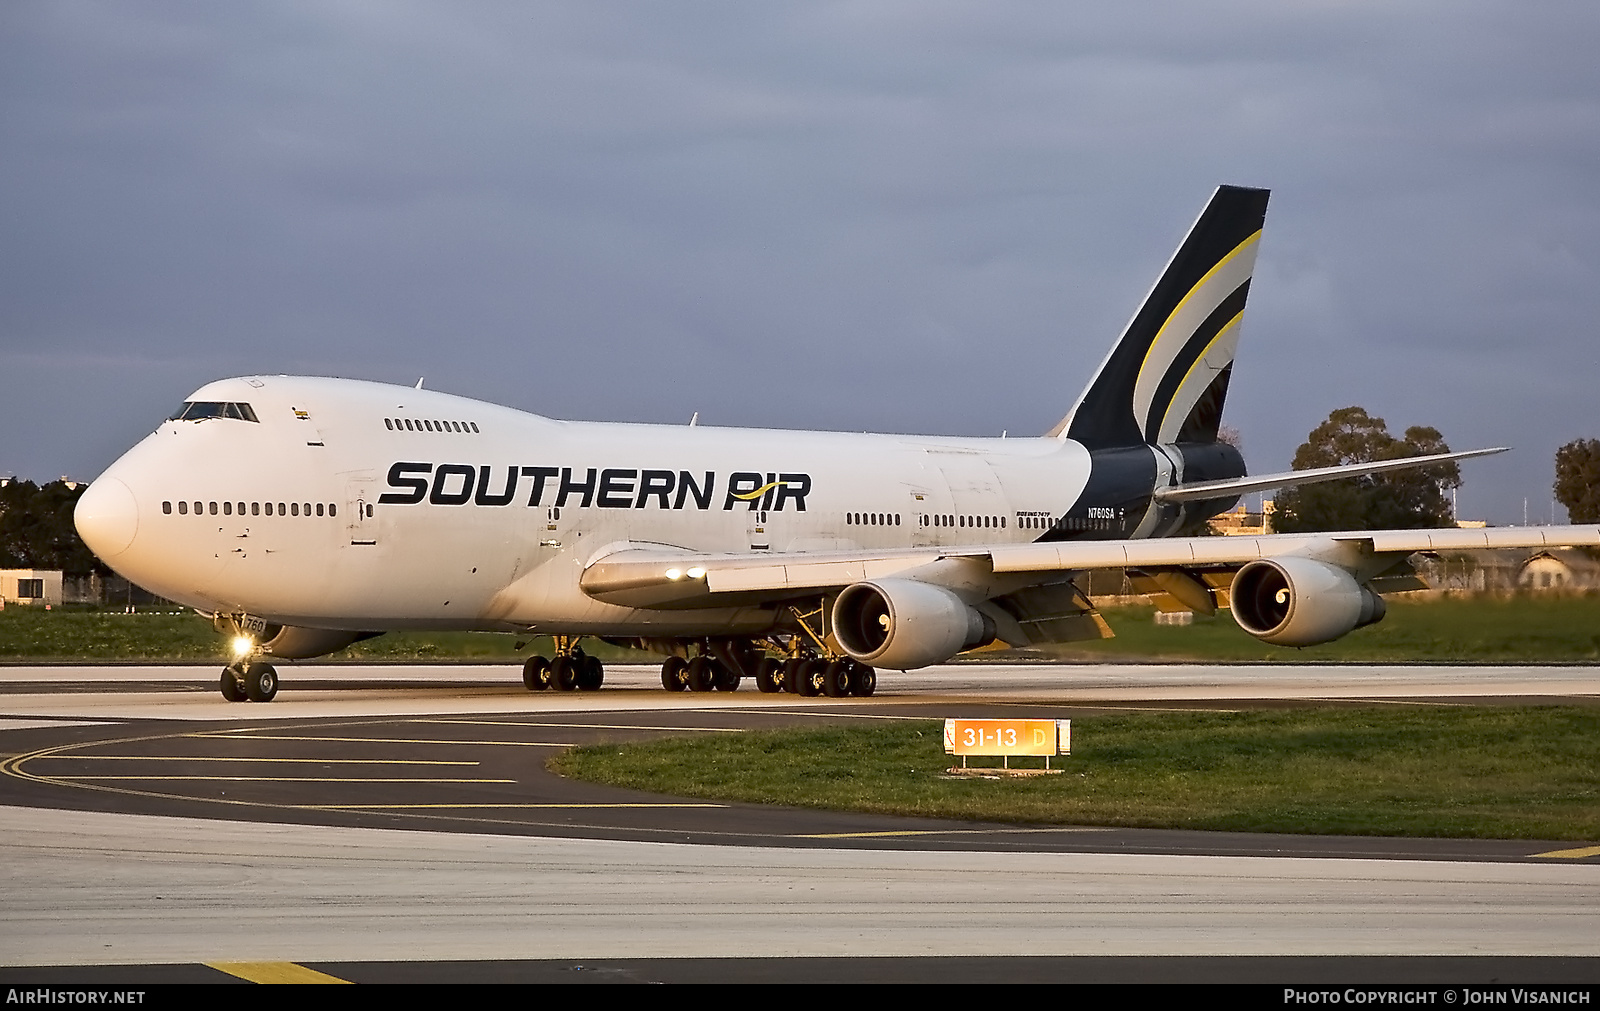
(391, 527)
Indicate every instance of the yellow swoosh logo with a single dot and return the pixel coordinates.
(758, 492)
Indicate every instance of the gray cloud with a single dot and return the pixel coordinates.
(911, 217)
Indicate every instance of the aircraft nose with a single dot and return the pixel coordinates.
(107, 517)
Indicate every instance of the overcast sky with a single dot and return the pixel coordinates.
(912, 217)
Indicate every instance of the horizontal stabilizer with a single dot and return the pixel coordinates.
(1201, 490)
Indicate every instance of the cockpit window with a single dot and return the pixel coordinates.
(200, 410)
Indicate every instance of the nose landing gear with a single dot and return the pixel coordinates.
(253, 682)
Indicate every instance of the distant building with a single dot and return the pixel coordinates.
(1511, 570)
(1545, 571)
(54, 588)
(1241, 521)
(30, 586)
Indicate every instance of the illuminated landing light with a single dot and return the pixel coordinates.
(696, 572)
(242, 646)
(674, 574)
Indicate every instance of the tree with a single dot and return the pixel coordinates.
(1398, 501)
(1578, 479)
(36, 529)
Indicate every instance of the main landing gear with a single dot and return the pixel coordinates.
(838, 678)
(720, 666)
(253, 682)
(812, 667)
(704, 673)
(806, 676)
(570, 669)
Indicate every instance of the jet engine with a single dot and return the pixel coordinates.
(903, 624)
(1301, 601)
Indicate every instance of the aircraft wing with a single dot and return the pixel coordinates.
(659, 576)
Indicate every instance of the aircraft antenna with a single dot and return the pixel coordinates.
(695, 421)
(419, 382)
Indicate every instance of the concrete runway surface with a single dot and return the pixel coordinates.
(310, 689)
(97, 888)
(87, 888)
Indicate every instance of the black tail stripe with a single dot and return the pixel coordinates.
(1220, 317)
(1104, 417)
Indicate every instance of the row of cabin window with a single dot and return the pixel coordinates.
(942, 520)
(293, 508)
(1065, 523)
(872, 519)
(428, 425)
(1079, 523)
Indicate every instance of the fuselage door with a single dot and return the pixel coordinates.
(921, 518)
(361, 515)
(758, 527)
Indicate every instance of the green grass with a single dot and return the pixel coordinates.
(74, 634)
(1530, 773)
(32, 633)
(1527, 629)
(1547, 628)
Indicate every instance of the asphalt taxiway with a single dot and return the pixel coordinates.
(387, 814)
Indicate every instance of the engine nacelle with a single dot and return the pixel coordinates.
(903, 624)
(1300, 601)
(293, 642)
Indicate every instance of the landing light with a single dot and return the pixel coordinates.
(242, 645)
(674, 574)
(697, 572)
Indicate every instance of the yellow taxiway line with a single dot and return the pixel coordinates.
(1574, 854)
(274, 972)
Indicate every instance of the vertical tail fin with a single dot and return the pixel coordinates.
(1167, 377)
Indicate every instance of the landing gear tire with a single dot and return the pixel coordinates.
(769, 675)
(703, 673)
(836, 679)
(536, 674)
(233, 685)
(675, 674)
(727, 679)
(863, 681)
(260, 682)
(793, 674)
(564, 673)
(811, 676)
(591, 674)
